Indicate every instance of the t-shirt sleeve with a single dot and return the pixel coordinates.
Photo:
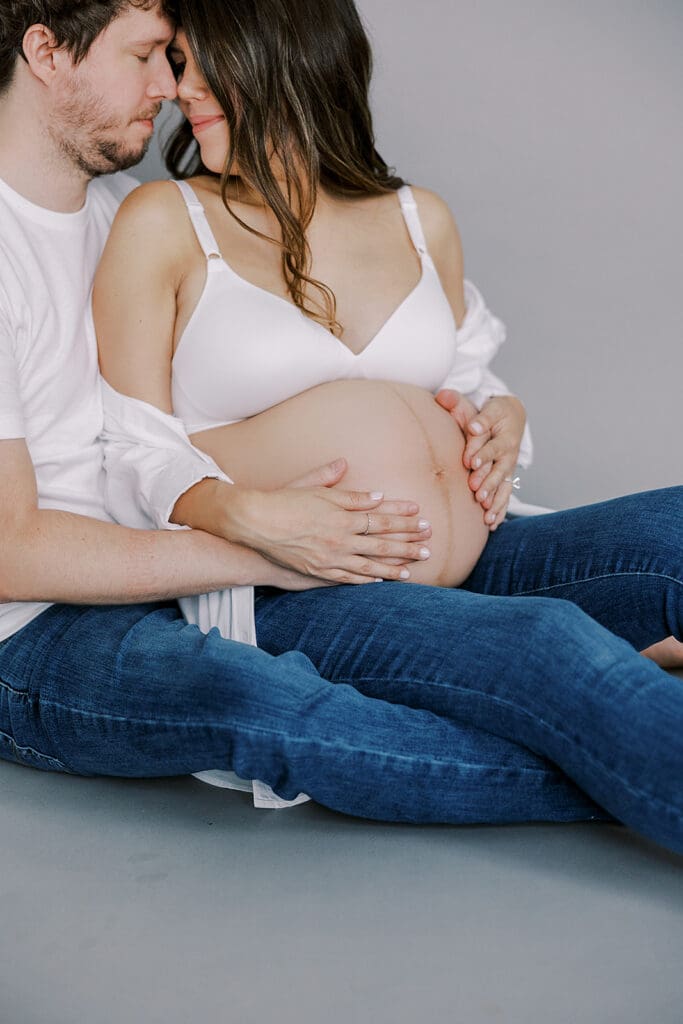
(11, 411)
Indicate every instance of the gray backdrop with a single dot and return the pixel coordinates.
(554, 131)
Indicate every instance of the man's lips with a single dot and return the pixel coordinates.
(148, 117)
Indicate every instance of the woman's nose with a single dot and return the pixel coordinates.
(191, 87)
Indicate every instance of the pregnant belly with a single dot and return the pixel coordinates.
(395, 438)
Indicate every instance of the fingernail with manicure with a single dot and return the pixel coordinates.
(376, 495)
(404, 574)
(425, 552)
(424, 524)
(476, 428)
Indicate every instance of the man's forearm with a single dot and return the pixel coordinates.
(62, 557)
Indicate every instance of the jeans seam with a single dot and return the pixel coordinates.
(29, 698)
(266, 732)
(558, 732)
(19, 750)
(591, 579)
(12, 689)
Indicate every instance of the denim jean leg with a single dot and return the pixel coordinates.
(135, 691)
(541, 674)
(619, 560)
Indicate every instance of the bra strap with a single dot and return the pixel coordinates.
(412, 219)
(199, 221)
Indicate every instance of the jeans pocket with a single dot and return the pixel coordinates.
(10, 751)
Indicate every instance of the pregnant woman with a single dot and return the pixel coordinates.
(291, 302)
(284, 337)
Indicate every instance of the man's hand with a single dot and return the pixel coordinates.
(493, 438)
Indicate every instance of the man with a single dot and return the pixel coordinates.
(99, 672)
(80, 92)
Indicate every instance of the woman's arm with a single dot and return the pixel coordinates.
(314, 530)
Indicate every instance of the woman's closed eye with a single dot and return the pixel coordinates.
(177, 62)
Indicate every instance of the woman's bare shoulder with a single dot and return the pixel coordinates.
(444, 245)
(154, 205)
(152, 225)
(438, 223)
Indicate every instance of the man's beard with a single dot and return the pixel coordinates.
(103, 156)
(85, 134)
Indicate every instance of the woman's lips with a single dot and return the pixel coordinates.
(199, 124)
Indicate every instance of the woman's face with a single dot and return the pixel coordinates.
(200, 106)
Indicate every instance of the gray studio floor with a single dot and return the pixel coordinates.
(171, 901)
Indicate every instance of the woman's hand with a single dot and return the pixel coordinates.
(461, 409)
(333, 535)
(491, 453)
(493, 437)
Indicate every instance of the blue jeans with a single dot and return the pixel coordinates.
(496, 702)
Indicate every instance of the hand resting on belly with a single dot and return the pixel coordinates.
(395, 438)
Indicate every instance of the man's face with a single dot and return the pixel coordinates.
(105, 106)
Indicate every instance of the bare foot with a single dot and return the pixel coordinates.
(667, 653)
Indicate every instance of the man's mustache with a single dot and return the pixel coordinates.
(149, 115)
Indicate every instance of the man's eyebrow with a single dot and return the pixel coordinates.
(160, 41)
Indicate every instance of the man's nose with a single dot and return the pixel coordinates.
(164, 85)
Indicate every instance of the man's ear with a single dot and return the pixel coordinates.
(42, 53)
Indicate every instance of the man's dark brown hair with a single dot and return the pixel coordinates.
(76, 25)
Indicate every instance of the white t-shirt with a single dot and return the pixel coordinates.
(49, 387)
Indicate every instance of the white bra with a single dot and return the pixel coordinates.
(246, 349)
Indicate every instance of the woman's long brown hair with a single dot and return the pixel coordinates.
(292, 78)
